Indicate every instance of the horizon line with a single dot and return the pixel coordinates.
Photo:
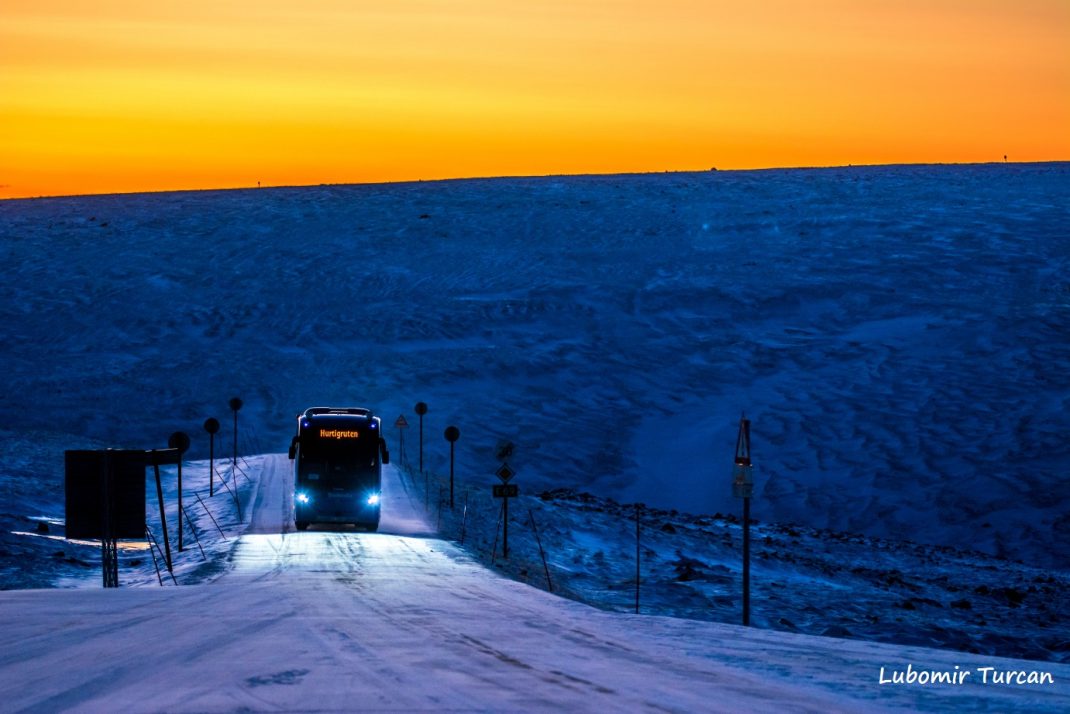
(711, 170)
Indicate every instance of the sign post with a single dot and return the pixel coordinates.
(452, 435)
(179, 440)
(109, 544)
(505, 491)
(743, 487)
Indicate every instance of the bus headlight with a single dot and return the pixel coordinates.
(373, 500)
(302, 497)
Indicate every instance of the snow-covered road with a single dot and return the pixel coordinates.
(397, 620)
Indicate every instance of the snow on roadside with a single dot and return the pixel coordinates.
(210, 526)
(803, 580)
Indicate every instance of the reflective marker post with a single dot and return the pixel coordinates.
(743, 487)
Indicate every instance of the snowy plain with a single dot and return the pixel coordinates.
(899, 337)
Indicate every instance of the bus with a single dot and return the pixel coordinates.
(338, 455)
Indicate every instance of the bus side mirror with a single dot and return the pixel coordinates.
(386, 457)
(385, 453)
(293, 448)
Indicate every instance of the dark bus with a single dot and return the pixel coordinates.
(338, 456)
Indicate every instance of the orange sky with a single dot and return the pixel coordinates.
(128, 95)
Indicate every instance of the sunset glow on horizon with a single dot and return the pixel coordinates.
(133, 96)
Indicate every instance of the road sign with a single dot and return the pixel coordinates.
(506, 490)
(743, 469)
(505, 473)
(105, 494)
(179, 440)
(401, 422)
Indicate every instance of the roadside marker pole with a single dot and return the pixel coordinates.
(441, 499)
(163, 518)
(235, 405)
(452, 435)
(152, 552)
(421, 409)
(198, 496)
(542, 553)
(211, 425)
(743, 487)
(746, 561)
(180, 509)
(402, 424)
(638, 506)
(189, 524)
(464, 518)
(497, 530)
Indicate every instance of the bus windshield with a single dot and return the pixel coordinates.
(333, 447)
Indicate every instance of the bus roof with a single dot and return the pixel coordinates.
(338, 411)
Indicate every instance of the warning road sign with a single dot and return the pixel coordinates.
(401, 423)
(505, 473)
